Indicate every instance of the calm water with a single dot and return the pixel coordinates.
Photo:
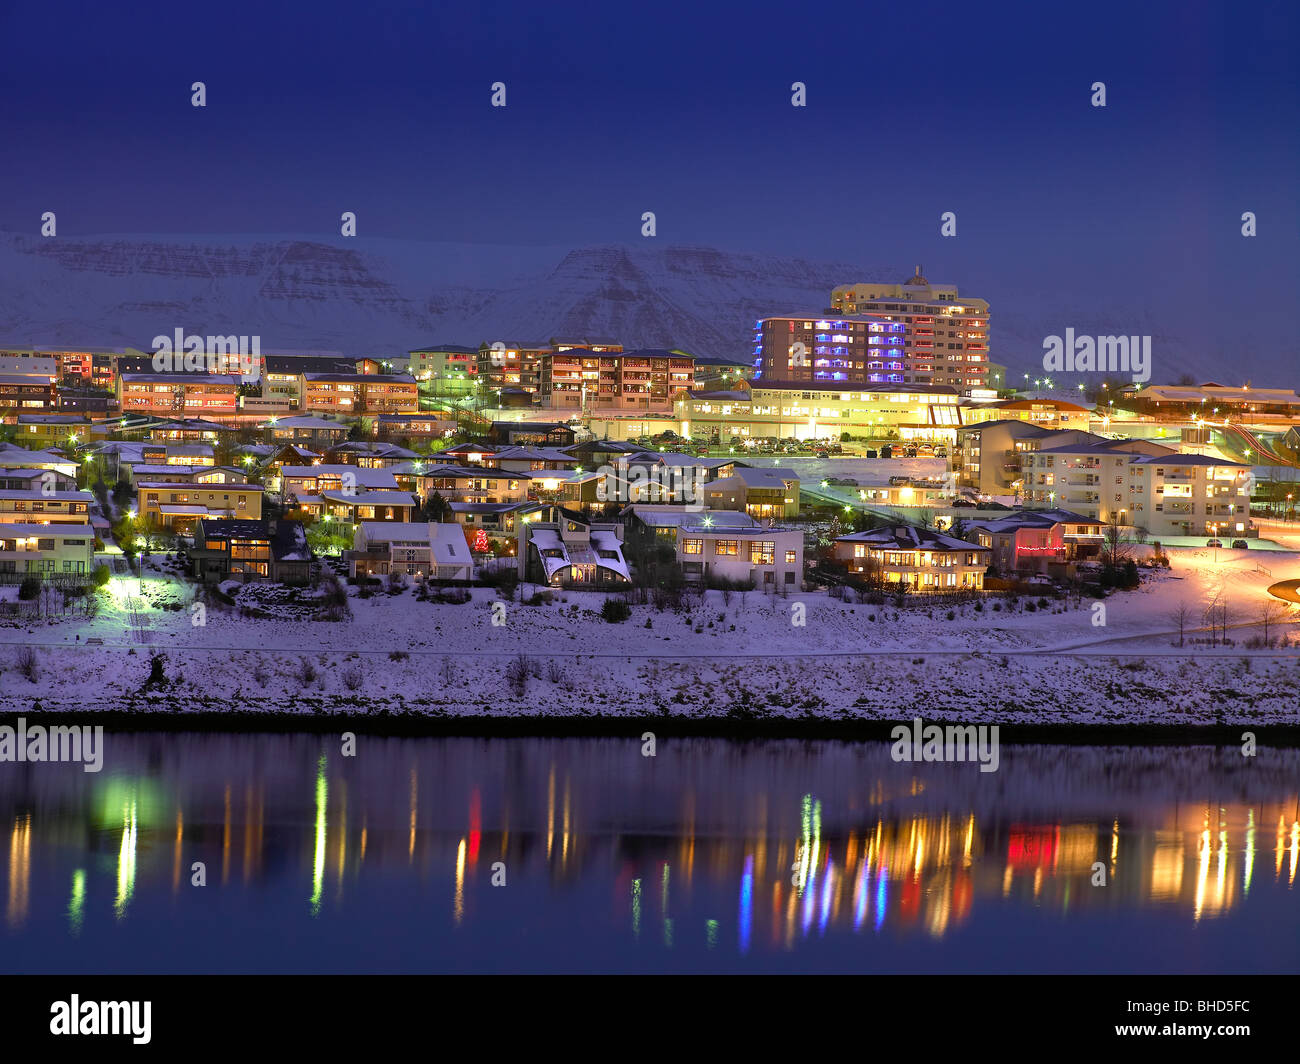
(712, 856)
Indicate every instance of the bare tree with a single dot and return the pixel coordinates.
(1211, 617)
(1115, 543)
(1182, 615)
(1271, 612)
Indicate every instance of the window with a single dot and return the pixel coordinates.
(45, 544)
(762, 552)
(693, 546)
(789, 560)
(728, 547)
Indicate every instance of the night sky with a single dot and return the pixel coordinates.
(618, 109)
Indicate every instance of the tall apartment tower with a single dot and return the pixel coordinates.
(945, 339)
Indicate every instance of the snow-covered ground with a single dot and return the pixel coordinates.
(730, 656)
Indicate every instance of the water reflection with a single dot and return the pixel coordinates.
(751, 850)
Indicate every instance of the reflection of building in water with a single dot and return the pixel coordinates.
(20, 870)
(790, 867)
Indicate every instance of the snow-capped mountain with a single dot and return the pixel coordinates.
(369, 295)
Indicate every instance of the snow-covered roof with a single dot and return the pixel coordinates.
(304, 421)
(543, 540)
(609, 541)
(763, 476)
(369, 498)
(362, 476)
(679, 515)
(23, 530)
(58, 496)
(909, 537)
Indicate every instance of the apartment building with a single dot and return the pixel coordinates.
(82, 367)
(803, 412)
(178, 394)
(988, 454)
(643, 380)
(945, 337)
(58, 553)
(599, 344)
(1144, 485)
(96, 368)
(449, 369)
(813, 349)
(769, 558)
(51, 430)
(282, 375)
(179, 506)
(419, 549)
(359, 393)
(919, 558)
(42, 496)
(510, 364)
(28, 383)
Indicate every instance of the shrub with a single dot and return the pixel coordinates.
(29, 588)
(101, 575)
(517, 675)
(306, 673)
(398, 655)
(615, 610)
(353, 677)
(27, 663)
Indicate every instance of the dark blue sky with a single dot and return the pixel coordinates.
(614, 109)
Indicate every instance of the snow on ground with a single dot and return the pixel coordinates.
(737, 657)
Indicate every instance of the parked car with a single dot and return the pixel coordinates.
(823, 454)
(1240, 544)
(869, 453)
(1214, 543)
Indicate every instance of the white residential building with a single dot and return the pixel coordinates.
(772, 558)
(415, 548)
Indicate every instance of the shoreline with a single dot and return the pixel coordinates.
(665, 727)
